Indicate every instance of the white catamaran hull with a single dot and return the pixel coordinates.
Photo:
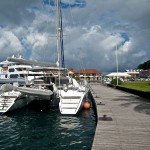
(71, 102)
(12, 100)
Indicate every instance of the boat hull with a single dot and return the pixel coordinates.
(20, 102)
(53, 100)
(72, 101)
(12, 100)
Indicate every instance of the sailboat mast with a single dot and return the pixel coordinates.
(60, 48)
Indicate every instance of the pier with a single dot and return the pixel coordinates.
(123, 120)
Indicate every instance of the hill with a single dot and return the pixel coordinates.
(144, 66)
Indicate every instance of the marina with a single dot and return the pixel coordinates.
(61, 89)
(119, 120)
(46, 105)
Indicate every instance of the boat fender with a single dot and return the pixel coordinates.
(86, 105)
(65, 88)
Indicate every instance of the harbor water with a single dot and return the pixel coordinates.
(44, 128)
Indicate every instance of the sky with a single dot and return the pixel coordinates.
(94, 30)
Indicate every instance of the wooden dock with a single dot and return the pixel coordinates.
(123, 120)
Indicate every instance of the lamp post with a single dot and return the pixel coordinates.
(117, 63)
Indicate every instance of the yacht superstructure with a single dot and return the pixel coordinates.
(16, 72)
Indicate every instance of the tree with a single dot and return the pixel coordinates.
(114, 81)
(144, 66)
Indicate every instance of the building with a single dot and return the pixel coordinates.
(134, 72)
(144, 74)
(88, 74)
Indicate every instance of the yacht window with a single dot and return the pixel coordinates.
(11, 70)
(21, 75)
(38, 81)
(18, 69)
(62, 81)
(14, 76)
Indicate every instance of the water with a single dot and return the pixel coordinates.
(47, 129)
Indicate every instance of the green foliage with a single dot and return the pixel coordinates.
(77, 78)
(138, 85)
(145, 65)
(114, 82)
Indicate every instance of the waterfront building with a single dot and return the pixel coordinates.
(88, 74)
(134, 72)
(144, 74)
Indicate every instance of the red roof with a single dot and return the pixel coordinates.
(74, 71)
(89, 71)
(86, 71)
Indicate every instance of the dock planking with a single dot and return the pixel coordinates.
(123, 120)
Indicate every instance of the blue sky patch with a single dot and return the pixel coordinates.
(77, 3)
(125, 36)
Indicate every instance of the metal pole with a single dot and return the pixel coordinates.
(117, 62)
(58, 36)
(58, 30)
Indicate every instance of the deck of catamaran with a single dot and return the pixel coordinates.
(123, 120)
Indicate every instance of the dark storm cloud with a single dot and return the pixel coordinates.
(15, 11)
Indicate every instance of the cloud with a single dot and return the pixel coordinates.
(92, 30)
(15, 11)
(9, 44)
(95, 48)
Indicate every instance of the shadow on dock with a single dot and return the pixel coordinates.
(142, 105)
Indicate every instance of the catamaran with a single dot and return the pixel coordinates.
(63, 90)
(11, 100)
(72, 95)
(60, 89)
(15, 73)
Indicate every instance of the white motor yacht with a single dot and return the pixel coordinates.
(16, 72)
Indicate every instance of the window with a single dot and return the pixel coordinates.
(11, 70)
(21, 75)
(18, 69)
(14, 76)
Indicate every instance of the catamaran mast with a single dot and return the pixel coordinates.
(60, 48)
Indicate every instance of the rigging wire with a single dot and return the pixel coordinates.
(71, 13)
(48, 9)
(81, 65)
